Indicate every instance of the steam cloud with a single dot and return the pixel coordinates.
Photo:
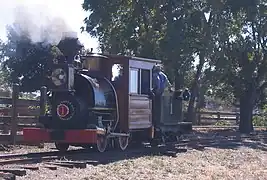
(39, 25)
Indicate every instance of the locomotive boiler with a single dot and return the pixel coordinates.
(87, 107)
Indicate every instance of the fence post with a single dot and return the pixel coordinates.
(5, 121)
(198, 118)
(218, 116)
(14, 115)
(237, 118)
(43, 100)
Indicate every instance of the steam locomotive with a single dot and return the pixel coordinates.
(88, 108)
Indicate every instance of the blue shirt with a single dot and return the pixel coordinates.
(159, 82)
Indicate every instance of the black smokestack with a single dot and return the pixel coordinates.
(69, 46)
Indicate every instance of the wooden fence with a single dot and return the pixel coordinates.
(16, 113)
(213, 117)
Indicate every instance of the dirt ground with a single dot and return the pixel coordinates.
(233, 161)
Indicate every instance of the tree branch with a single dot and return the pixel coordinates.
(145, 19)
(262, 68)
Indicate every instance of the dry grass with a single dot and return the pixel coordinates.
(243, 163)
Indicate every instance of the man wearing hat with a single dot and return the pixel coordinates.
(161, 87)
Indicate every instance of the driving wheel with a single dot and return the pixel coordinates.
(101, 143)
(123, 142)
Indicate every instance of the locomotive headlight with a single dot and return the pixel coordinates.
(59, 77)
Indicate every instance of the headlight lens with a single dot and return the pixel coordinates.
(59, 77)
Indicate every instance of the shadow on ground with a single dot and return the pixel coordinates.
(217, 138)
(116, 156)
(230, 139)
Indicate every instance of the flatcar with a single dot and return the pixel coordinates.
(91, 106)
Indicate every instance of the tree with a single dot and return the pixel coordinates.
(4, 86)
(201, 29)
(241, 54)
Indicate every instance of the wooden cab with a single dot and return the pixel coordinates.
(135, 82)
(140, 83)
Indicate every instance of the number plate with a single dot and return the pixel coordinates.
(57, 135)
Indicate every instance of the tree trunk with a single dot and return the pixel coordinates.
(178, 104)
(191, 114)
(179, 81)
(246, 112)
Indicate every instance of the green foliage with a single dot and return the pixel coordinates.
(259, 120)
(27, 96)
(157, 29)
(3, 84)
(239, 59)
(242, 61)
(222, 123)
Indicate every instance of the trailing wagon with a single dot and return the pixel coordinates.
(95, 100)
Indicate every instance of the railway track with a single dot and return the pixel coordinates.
(82, 157)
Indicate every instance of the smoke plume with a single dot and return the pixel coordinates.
(39, 25)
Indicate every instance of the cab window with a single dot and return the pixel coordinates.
(139, 81)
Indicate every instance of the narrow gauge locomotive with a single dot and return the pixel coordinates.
(89, 107)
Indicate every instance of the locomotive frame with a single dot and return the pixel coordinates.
(132, 105)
